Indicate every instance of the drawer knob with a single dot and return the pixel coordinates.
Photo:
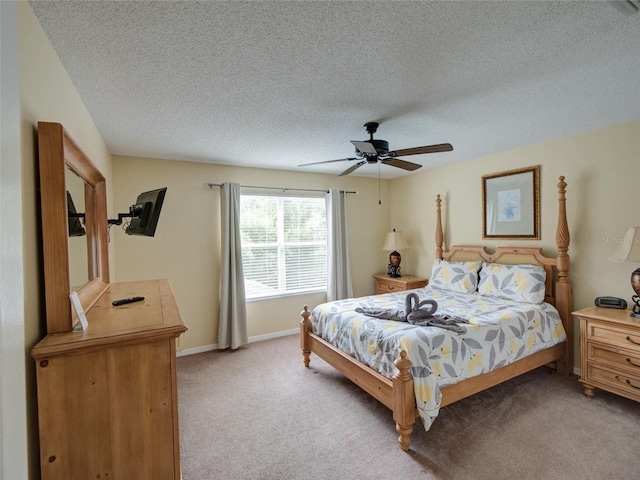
(631, 363)
(391, 287)
(629, 339)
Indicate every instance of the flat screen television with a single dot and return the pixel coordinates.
(76, 228)
(146, 213)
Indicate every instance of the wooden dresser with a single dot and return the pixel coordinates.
(107, 397)
(610, 345)
(386, 284)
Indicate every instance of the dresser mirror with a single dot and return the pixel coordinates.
(79, 272)
(73, 199)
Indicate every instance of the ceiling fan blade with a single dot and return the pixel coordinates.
(364, 147)
(352, 168)
(398, 162)
(328, 161)
(441, 147)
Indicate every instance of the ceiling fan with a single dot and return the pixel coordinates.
(377, 151)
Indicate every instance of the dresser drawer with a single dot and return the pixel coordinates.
(611, 335)
(615, 381)
(616, 358)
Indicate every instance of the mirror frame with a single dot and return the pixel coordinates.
(57, 150)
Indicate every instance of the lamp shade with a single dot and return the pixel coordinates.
(395, 241)
(629, 249)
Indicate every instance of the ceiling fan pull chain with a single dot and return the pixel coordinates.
(379, 200)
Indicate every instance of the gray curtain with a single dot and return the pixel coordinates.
(338, 270)
(232, 331)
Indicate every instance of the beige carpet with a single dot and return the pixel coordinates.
(257, 413)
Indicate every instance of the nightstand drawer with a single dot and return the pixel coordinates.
(616, 358)
(627, 385)
(386, 284)
(604, 333)
(386, 287)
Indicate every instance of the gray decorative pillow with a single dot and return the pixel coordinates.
(455, 276)
(521, 283)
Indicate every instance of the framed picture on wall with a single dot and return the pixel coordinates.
(511, 204)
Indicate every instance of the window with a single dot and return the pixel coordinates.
(284, 244)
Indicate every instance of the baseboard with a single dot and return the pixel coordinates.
(269, 336)
(257, 338)
(195, 350)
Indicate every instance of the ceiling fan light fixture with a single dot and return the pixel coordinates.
(364, 148)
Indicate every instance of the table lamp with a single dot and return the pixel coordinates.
(629, 251)
(394, 241)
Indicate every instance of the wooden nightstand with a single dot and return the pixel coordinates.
(610, 357)
(386, 284)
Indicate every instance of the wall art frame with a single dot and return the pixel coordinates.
(511, 204)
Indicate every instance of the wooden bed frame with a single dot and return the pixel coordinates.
(397, 393)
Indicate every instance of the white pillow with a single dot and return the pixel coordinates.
(455, 276)
(521, 283)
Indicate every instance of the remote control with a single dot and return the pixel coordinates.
(124, 301)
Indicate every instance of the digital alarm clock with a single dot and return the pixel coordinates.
(611, 302)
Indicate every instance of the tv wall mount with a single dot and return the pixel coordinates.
(141, 210)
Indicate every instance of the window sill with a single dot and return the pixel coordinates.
(296, 294)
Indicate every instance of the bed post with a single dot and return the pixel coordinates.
(404, 400)
(439, 234)
(305, 326)
(564, 299)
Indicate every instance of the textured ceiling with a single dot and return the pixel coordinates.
(277, 84)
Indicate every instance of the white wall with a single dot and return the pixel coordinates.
(13, 411)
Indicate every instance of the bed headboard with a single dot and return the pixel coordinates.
(558, 286)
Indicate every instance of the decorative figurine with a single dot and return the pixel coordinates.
(394, 241)
(393, 270)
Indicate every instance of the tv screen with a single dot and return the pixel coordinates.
(76, 229)
(146, 213)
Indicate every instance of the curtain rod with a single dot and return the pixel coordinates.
(282, 189)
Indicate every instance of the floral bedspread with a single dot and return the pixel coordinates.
(498, 333)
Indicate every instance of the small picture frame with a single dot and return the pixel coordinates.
(82, 323)
(511, 204)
